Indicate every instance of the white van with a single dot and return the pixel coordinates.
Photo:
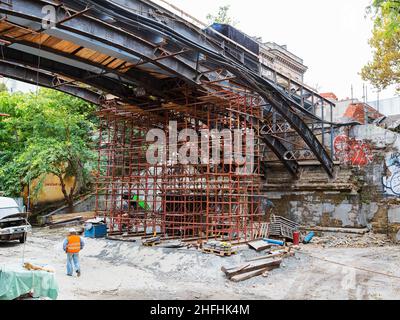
(13, 222)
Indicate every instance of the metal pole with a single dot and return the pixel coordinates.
(322, 124)
(332, 149)
(378, 104)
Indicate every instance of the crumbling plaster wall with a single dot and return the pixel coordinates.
(327, 209)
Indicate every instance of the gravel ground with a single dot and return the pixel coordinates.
(125, 270)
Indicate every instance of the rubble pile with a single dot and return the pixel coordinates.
(351, 240)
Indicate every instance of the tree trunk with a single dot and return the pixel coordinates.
(69, 199)
(70, 203)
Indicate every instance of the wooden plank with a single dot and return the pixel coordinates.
(231, 272)
(78, 218)
(272, 255)
(65, 224)
(85, 53)
(249, 275)
(66, 217)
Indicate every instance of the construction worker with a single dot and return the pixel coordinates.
(72, 245)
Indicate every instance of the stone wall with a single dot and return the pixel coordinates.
(364, 192)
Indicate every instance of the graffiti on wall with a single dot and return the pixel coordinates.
(391, 180)
(350, 151)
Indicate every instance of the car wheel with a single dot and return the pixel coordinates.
(22, 239)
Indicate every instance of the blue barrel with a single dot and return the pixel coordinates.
(308, 237)
(272, 241)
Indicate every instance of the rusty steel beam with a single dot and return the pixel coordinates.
(100, 36)
(96, 81)
(42, 79)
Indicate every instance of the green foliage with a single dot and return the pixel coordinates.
(47, 132)
(222, 17)
(384, 69)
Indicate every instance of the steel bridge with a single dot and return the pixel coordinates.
(137, 49)
(139, 57)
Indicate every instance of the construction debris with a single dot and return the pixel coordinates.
(281, 253)
(150, 242)
(352, 241)
(63, 220)
(257, 266)
(31, 267)
(120, 238)
(259, 245)
(250, 270)
(73, 222)
(218, 247)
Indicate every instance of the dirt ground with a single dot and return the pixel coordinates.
(125, 270)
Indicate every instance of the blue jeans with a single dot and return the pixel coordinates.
(72, 258)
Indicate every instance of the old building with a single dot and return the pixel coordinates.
(282, 60)
(272, 56)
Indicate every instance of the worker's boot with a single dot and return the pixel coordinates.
(78, 273)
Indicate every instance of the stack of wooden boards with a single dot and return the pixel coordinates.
(257, 266)
(63, 220)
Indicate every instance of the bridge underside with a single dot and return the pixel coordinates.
(145, 67)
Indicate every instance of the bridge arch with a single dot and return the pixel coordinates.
(144, 56)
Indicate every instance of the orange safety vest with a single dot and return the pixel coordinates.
(74, 244)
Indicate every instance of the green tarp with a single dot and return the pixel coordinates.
(16, 281)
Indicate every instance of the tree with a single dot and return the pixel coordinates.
(46, 133)
(384, 69)
(222, 17)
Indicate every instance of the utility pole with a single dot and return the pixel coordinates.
(365, 104)
(377, 100)
(352, 94)
(363, 96)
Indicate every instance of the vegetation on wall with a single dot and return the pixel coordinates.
(47, 132)
(222, 16)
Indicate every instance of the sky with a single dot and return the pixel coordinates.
(331, 36)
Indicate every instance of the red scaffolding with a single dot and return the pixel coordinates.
(202, 199)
